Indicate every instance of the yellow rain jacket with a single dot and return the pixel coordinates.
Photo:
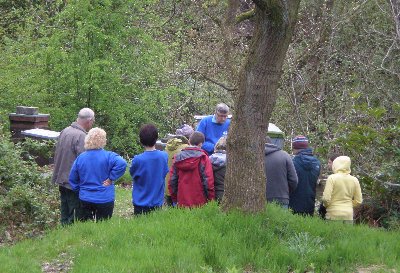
(174, 146)
(342, 191)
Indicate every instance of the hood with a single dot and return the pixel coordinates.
(342, 164)
(305, 156)
(218, 159)
(189, 158)
(173, 144)
(271, 148)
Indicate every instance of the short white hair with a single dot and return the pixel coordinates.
(222, 108)
(86, 113)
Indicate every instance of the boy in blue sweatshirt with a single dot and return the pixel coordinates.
(148, 171)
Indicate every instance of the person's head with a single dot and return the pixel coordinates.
(148, 135)
(85, 118)
(342, 164)
(197, 139)
(95, 139)
(185, 130)
(221, 112)
(220, 145)
(299, 143)
(331, 158)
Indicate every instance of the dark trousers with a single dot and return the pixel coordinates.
(97, 212)
(168, 201)
(70, 206)
(137, 210)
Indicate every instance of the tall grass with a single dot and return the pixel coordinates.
(207, 240)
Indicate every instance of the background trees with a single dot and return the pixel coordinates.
(339, 88)
(163, 61)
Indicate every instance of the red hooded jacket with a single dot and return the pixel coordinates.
(191, 182)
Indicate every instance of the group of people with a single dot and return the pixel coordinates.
(189, 173)
(85, 172)
(292, 182)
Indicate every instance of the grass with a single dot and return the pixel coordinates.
(206, 240)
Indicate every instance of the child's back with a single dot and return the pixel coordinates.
(191, 177)
(174, 146)
(148, 171)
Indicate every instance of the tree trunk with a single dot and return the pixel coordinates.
(245, 181)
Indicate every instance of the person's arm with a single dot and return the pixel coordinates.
(133, 168)
(327, 195)
(291, 175)
(201, 127)
(173, 182)
(80, 145)
(357, 200)
(207, 146)
(74, 179)
(207, 178)
(166, 169)
(117, 170)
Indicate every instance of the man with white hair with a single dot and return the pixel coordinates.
(214, 127)
(70, 144)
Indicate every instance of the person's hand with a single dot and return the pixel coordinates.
(107, 182)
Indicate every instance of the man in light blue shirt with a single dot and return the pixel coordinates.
(214, 127)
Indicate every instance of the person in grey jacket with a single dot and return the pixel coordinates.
(281, 174)
(70, 144)
(218, 161)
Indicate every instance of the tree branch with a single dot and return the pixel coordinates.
(205, 77)
(245, 16)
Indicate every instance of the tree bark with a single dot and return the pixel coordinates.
(245, 181)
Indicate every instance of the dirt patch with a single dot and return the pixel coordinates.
(63, 263)
(375, 268)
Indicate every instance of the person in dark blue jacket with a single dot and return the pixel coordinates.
(308, 168)
(93, 174)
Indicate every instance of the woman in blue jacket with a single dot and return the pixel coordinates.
(93, 174)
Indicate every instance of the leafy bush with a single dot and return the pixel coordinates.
(28, 203)
(375, 149)
(41, 151)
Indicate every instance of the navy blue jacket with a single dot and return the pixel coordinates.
(308, 167)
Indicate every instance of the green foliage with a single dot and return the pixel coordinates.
(28, 201)
(378, 155)
(91, 54)
(340, 88)
(206, 240)
(41, 151)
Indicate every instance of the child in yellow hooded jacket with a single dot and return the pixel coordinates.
(174, 146)
(342, 191)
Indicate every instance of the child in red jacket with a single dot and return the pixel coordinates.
(191, 182)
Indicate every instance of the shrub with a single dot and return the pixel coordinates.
(28, 203)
